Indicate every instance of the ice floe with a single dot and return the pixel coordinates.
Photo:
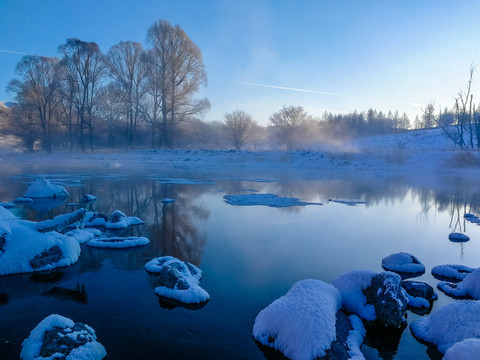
(118, 242)
(178, 280)
(403, 263)
(451, 271)
(23, 200)
(302, 323)
(458, 237)
(58, 337)
(449, 325)
(271, 200)
(469, 286)
(43, 188)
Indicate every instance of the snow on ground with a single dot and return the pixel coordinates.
(271, 200)
(300, 324)
(403, 262)
(450, 324)
(91, 349)
(43, 188)
(118, 242)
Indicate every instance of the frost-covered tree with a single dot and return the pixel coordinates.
(290, 125)
(238, 126)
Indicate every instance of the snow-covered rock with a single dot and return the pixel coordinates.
(118, 220)
(271, 200)
(58, 337)
(60, 222)
(93, 218)
(420, 294)
(118, 242)
(302, 323)
(469, 286)
(468, 349)
(89, 198)
(42, 188)
(179, 280)
(83, 235)
(167, 201)
(451, 271)
(403, 263)
(458, 237)
(449, 325)
(24, 249)
(23, 200)
(373, 296)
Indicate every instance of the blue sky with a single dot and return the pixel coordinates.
(348, 55)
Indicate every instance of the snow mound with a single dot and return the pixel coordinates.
(469, 286)
(403, 262)
(468, 349)
(351, 286)
(23, 249)
(450, 324)
(118, 220)
(179, 280)
(458, 272)
(300, 324)
(6, 215)
(81, 337)
(89, 198)
(23, 200)
(458, 237)
(42, 188)
(118, 242)
(270, 200)
(83, 235)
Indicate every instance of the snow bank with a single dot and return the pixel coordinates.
(351, 286)
(42, 188)
(179, 280)
(91, 349)
(6, 215)
(469, 286)
(468, 349)
(23, 246)
(450, 324)
(83, 235)
(458, 272)
(271, 200)
(118, 242)
(300, 324)
(403, 262)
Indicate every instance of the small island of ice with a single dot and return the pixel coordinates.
(179, 280)
(42, 188)
(58, 337)
(271, 200)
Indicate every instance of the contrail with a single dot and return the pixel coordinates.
(13, 52)
(322, 92)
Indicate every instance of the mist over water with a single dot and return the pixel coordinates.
(250, 255)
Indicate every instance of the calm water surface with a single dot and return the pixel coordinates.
(250, 256)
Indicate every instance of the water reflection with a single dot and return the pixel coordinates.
(383, 338)
(78, 294)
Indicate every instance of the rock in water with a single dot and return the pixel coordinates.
(388, 298)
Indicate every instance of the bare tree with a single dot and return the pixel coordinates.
(125, 67)
(290, 125)
(178, 64)
(36, 92)
(84, 68)
(237, 126)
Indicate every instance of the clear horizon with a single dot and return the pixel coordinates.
(260, 55)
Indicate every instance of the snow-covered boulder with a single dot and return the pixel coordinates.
(179, 280)
(42, 188)
(468, 349)
(420, 294)
(403, 263)
(58, 337)
(449, 325)
(302, 323)
(118, 220)
(118, 242)
(458, 237)
(469, 286)
(83, 235)
(89, 198)
(373, 296)
(451, 271)
(23, 249)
